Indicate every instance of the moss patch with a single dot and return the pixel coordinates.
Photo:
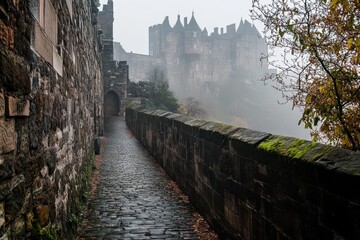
(299, 148)
(295, 148)
(46, 233)
(273, 144)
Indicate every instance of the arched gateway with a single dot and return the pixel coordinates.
(112, 104)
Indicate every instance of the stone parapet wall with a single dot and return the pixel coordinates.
(51, 101)
(254, 185)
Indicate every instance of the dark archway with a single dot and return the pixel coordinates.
(111, 104)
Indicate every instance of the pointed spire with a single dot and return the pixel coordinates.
(166, 24)
(243, 26)
(193, 24)
(178, 26)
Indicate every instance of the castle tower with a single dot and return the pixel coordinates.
(116, 74)
(193, 37)
(106, 20)
(250, 47)
(155, 40)
(158, 37)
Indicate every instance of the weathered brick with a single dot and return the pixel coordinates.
(11, 38)
(19, 226)
(3, 34)
(43, 214)
(7, 136)
(18, 107)
(2, 215)
(2, 105)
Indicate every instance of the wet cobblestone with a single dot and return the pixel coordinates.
(133, 198)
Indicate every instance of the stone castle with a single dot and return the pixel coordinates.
(193, 58)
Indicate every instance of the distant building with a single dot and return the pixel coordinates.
(193, 58)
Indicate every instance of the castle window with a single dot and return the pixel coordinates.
(195, 34)
(50, 24)
(45, 14)
(37, 10)
(34, 8)
(46, 35)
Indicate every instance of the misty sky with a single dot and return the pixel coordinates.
(133, 17)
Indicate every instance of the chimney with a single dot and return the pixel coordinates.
(222, 31)
(185, 21)
(216, 31)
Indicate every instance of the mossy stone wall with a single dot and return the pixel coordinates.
(254, 185)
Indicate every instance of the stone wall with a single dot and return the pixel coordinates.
(253, 185)
(51, 96)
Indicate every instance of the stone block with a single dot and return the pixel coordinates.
(6, 167)
(7, 136)
(2, 105)
(19, 226)
(11, 38)
(3, 34)
(18, 107)
(2, 214)
(6, 35)
(29, 221)
(43, 214)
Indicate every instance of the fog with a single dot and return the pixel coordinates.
(133, 17)
(248, 102)
(239, 98)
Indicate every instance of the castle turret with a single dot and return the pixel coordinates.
(250, 47)
(178, 27)
(193, 25)
(166, 25)
(106, 19)
(193, 37)
(154, 40)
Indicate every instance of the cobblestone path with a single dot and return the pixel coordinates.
(134, 199)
